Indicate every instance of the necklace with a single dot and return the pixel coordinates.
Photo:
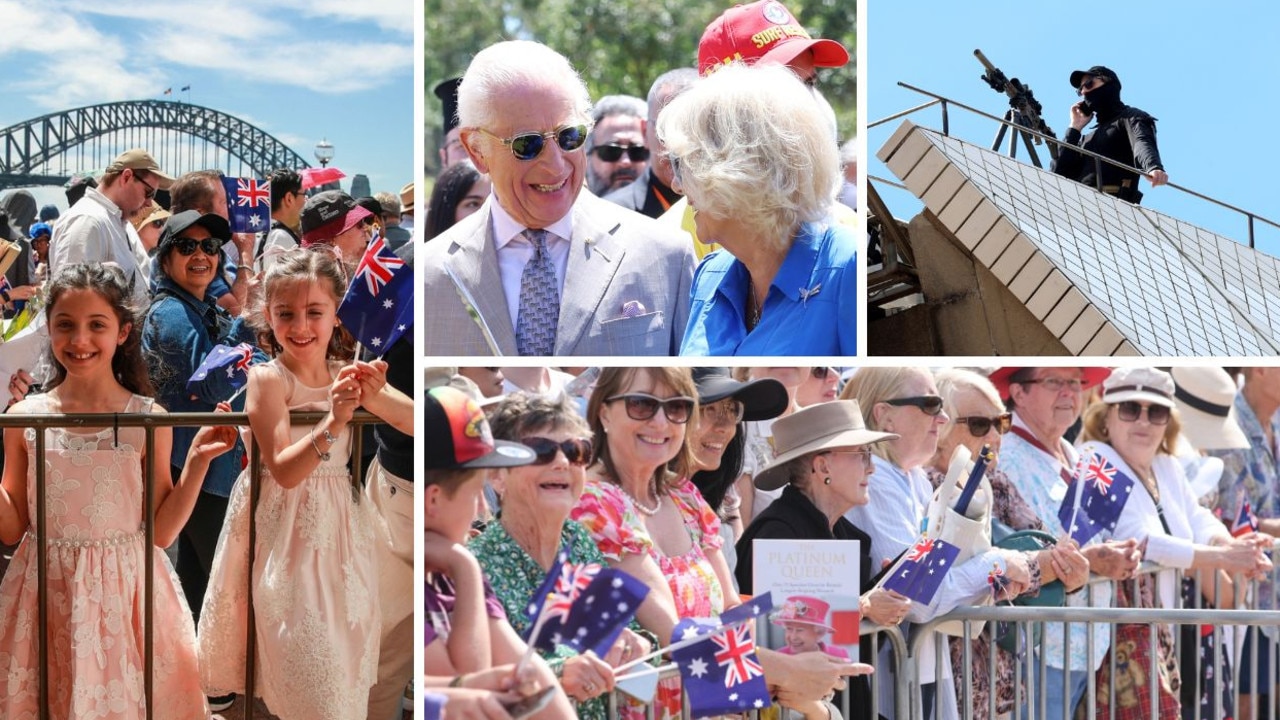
(646, 511)
(753, 309)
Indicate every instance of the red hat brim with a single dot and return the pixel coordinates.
(1000, 378)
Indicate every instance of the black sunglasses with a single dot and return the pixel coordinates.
(641, 406)
(187, 246)
(527, 146)
(150, 189)
(613, 153)
(1131, 410)
(979, 426)
(928, 404)
(577, 451)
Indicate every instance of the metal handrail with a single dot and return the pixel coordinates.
(944, 101)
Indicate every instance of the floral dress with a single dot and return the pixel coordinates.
(97, 560)
(609, 514)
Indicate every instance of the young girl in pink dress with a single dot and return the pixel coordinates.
(314, 578)
(97, 557)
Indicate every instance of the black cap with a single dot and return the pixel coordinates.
(458, 435)
(1096, 71)
(173, 227)
(761, 399)
(447, 91)
(327, 215)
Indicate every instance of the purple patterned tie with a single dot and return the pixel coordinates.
(539, 300)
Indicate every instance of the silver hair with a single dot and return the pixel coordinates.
(753, 145)
(611, 105)
(512, 63)
(953, 381)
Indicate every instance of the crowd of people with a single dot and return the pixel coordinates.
(671, 474)
(129, 296)
(542, 237)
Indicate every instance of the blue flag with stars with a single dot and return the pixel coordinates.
(248, 204)
(922, 570)
(232, 362)
(1103, 490)
(601, 611)
(722, 674)
(378, 306)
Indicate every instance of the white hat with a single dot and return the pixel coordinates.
(1206, 402)
(1138, 383)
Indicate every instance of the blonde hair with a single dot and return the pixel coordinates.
(1095, 427)
(752, 144)
(871, 386)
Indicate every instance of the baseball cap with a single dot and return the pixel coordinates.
(458, 435)
(1096, 71)
(139, 159)
(40, 228)
(216, 225)
(1140, 384)
(329, 214)
(763, 31)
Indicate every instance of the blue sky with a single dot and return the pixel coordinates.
(1205, 72)
(301, 70)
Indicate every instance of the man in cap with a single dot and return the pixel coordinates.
(1123, 133)
(544, 268)
(333, 218)
(763, 32)
(396, 235)
(406, 206)
(97, 229)
(616, 152)
(651, 194)
(451, 152)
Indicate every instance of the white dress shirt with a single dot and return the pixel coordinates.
(94, 230)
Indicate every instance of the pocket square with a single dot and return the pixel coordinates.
(632, 308)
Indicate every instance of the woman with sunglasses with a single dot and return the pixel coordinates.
(977, 417)
(753, 153)
(823, 466)
(1136, 427)
(905, 401)
(181, 327)
(518, 547)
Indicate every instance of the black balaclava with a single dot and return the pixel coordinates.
(1104, 100)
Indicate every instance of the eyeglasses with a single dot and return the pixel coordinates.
(929, 404)
(577, 450)
(1131, 410)
(1057, 385)
(821, 373)
(157, 224)
(187, 246)
(527, 146)
(723, 412)
(867, 463)
(812, 81)
(150, 192)
(613, 152)
(641, 406)
(1089, 83)
(980, 425)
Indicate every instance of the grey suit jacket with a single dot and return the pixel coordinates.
(616, 256)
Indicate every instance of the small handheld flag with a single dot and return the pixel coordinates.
(231, 362)
(378, 306)
(1095, 498)
(922, 569)
(249, 203)
(1246, 522)
(721, 672)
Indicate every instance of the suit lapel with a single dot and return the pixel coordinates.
(595, 254)
(475, 264)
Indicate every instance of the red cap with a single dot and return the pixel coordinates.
(762, 31)
(458, 435)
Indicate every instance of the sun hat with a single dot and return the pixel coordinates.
(825, 426)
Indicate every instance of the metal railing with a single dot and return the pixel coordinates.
(149, 423)
(1028, 133)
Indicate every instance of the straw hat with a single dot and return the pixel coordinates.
(825, 426)
(1205, 397)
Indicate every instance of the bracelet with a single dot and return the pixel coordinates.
(329, 437)
(324, 456)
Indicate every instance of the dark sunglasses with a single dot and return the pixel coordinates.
(641, 406)
(821, 373)
(613, 153)
(979, 426)
(527, 146)
(1131, 410)
(928, 404)
(577, 451)
(150, 189)
(187, 246)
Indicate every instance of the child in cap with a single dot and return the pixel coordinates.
(804, 622)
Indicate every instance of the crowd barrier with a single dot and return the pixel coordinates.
(149, 423)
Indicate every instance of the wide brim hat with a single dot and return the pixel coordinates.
(1090, 376)
(825, 426)
(761, 399)
(1139, 384)
(1205, 397)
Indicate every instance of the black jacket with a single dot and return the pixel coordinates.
(639, 195)
(1128, 136)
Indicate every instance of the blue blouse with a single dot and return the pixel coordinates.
(811, 307)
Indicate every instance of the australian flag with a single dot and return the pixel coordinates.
(233, 362)
(1246, 522)
(721, 673)
(249, 203)
(922, 569)
(378, 307)
(602, 610)
(1104, 491)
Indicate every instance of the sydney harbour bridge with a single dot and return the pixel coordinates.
(50, 149)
